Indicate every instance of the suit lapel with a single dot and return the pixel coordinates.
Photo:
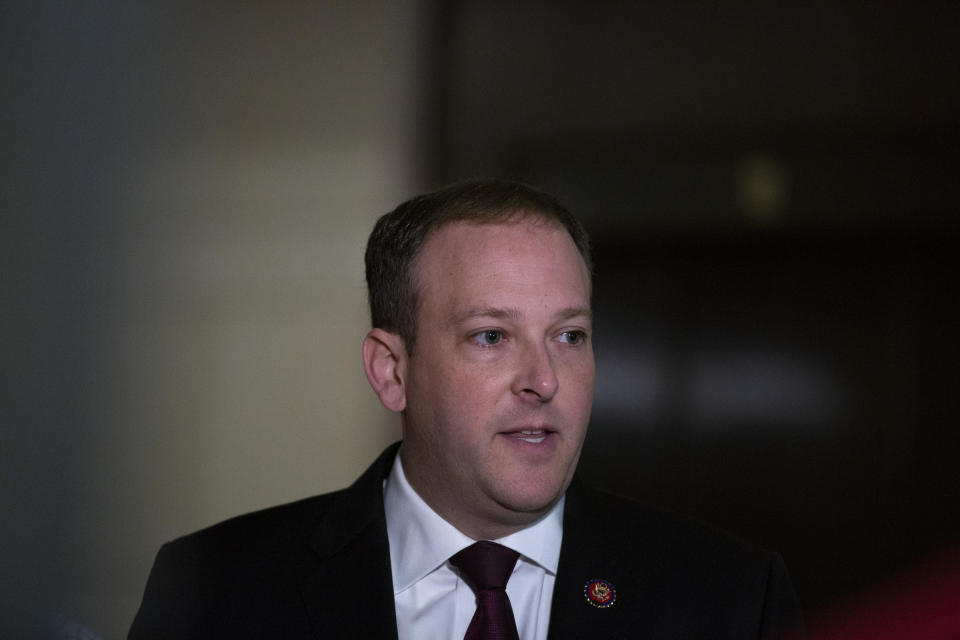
(590, 551)
(350, 594)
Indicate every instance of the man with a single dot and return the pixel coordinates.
(482, 342)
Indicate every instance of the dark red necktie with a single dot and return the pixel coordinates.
(487, 567)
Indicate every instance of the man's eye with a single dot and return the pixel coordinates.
(489, 337)
(573, 337)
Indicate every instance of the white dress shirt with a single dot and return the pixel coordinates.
(431, 600)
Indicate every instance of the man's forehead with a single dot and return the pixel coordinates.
(476, 267)
(460, 249)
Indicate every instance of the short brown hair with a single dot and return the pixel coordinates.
(397, 237)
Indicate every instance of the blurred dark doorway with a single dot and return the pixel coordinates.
(773, 198)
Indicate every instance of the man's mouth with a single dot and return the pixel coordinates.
(533, 436)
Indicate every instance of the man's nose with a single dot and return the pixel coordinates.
(536, 376)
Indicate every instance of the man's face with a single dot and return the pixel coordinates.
(500, 383)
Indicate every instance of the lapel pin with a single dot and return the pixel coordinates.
(599, 593)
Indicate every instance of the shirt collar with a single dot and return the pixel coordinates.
(421, 541)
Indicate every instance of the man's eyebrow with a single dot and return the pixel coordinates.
(511, 313)
(508, 313)
(573, 312)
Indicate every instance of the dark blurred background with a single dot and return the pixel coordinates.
(771, 189)
(773, 197)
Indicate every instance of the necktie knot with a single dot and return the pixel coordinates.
(486, 565)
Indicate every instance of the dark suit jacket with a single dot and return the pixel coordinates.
(320, 568)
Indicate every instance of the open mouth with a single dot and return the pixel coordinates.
(533, 436)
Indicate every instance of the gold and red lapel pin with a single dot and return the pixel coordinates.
(599, 593)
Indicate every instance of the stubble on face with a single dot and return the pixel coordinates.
(499, 390)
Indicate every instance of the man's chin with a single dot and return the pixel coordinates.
(529, 502)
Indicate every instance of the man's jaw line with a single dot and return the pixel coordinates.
(496, 516)
(505, 520)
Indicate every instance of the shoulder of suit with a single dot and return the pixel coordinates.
(279, 526)
(660, 532)
(300, 518)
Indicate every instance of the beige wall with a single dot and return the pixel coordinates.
(260, 143)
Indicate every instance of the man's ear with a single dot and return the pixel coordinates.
(385, 361)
